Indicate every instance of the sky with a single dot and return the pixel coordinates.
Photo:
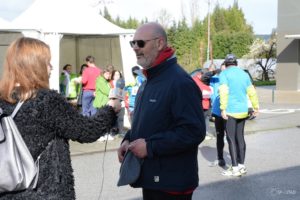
(261, 14)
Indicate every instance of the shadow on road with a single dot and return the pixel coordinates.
(210, 153)
(279, 184)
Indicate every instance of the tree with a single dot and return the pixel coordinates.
(164, 18)
(225, 42)
(264, 55)
(132, 23)
(106, 14)
(198, 52)
(183, 40)
(229, 31)
(194, 9)
(218, 19)
(235, 19)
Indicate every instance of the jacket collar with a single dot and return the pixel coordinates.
(155, 71)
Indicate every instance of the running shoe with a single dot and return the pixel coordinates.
(243, 170)
(110, 137)
(215, 163)
(231, 172)
(102, 139)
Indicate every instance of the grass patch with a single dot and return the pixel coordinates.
(262, 83)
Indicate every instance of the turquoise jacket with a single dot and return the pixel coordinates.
(235, 86)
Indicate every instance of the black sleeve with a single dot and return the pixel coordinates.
(68, 123)
(206, 77)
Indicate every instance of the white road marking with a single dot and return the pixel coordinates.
(278, 111)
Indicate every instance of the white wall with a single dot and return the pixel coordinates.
(128, 57)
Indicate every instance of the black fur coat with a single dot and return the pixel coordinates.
(46, 117)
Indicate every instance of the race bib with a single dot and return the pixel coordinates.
(134, 90)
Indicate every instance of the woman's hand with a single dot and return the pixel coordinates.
(224, 115)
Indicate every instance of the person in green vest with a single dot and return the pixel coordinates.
(69, 84)
(73, 88)
(102, 89)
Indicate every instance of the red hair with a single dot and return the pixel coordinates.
(25, 69)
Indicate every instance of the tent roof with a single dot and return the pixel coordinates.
(4, 24)
(67, 17)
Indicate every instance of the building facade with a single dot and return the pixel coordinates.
(288, 46)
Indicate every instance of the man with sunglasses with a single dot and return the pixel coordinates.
(168, 123)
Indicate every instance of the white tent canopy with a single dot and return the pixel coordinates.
(4, 24)
(67, 17)
(50, 20)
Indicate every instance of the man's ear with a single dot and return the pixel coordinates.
(161, 44)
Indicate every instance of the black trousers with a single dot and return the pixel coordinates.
(160, 195)
(236, 140)
(220, 124)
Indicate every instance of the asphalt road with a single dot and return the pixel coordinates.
(272, 159)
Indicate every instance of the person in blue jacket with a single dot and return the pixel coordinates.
(168, 122)
(219, 122)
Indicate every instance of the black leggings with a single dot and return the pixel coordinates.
(160, 195)
(220, 124)
(236, 140)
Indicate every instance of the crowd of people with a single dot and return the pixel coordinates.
(167, 123)
(94, 86)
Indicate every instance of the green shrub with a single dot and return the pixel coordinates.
(261, 83)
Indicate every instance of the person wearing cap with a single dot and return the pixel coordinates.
(168, 122)
(235, 86)
(131, 90)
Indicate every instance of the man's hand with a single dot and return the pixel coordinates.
(122, 150)
(138, 148)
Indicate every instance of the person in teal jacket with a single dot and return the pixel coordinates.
(131, 90)
(235, 86)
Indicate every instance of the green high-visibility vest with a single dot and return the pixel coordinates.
(73, 86)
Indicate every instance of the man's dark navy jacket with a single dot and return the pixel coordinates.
(169, 116)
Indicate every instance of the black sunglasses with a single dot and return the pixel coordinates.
(140, 43)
